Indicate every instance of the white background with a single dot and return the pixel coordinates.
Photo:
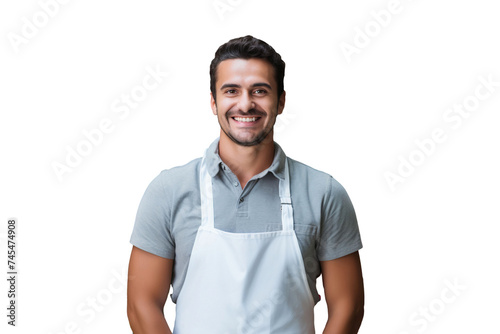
(352, 119)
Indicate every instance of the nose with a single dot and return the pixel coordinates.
(246, 103)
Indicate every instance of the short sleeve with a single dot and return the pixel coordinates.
(152, 231)
(339, 229)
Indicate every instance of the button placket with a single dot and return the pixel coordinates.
(230, 176)
(242, 206)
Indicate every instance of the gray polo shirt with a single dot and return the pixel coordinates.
(169, 213)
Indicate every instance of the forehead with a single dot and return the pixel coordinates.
(245, 72)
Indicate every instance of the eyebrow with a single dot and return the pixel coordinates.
(258, 84)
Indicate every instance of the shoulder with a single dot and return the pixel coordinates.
(172, 181)
(179, 174)
(316, 182)
(300, 169)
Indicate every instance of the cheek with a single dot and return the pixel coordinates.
(224, 106)
(272, 107)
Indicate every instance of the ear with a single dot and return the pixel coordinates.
(281, 103)
(213, 105)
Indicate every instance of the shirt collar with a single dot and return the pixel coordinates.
(214, 162)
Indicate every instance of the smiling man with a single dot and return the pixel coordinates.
(248, 106)
(243, 233)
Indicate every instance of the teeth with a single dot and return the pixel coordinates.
(245, 119)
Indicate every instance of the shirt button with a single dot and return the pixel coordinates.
(235, 184)
(241, 199)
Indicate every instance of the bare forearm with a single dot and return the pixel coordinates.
(148, 319)
(344, 322)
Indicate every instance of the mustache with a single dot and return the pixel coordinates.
(250, 112)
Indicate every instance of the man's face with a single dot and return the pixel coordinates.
(247, 100)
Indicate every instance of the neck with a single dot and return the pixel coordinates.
(246, 161)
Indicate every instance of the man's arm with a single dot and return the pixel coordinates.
(344, 294)
(149, 278)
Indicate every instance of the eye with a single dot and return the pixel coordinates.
(230, 91)
(260, 91)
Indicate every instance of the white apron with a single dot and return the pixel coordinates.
(245, 283)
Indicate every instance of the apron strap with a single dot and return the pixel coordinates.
(286, 201)
(207, 202)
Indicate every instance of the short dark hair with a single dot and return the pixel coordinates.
(245, 48)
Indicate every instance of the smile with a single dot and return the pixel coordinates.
(246, 119)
